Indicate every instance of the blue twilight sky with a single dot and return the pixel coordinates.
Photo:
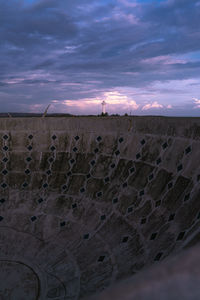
(140, 56)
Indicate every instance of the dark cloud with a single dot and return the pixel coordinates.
(53, 49)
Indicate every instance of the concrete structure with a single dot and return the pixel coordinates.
(86, 202)
(177, 277)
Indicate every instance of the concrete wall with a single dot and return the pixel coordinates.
(85, 202)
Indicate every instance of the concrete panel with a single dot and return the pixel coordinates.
(89, 201)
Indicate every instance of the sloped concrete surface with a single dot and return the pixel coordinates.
(87, 201)
(176, 278)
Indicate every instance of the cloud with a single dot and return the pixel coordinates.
(127, 3)
(152, 105)
(169, 106)
(164, 60)
(86, 49)
(197, 102)
(115, 101)
(35, 108)
(116, 97)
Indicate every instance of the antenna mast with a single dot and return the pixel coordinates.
(103, 107)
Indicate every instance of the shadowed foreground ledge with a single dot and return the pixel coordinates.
(87, 202)
(176, 278)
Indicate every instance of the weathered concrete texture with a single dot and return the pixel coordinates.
(175, 278)
(86, 202)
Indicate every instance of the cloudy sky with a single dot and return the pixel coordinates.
(140, 56)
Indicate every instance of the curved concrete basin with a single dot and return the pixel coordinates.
(87, 201)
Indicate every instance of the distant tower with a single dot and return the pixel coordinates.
(103, 107)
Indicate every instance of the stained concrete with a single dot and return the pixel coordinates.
(86, 202)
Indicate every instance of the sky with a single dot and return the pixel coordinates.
(142, 57)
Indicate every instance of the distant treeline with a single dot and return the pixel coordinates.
(39, 115)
